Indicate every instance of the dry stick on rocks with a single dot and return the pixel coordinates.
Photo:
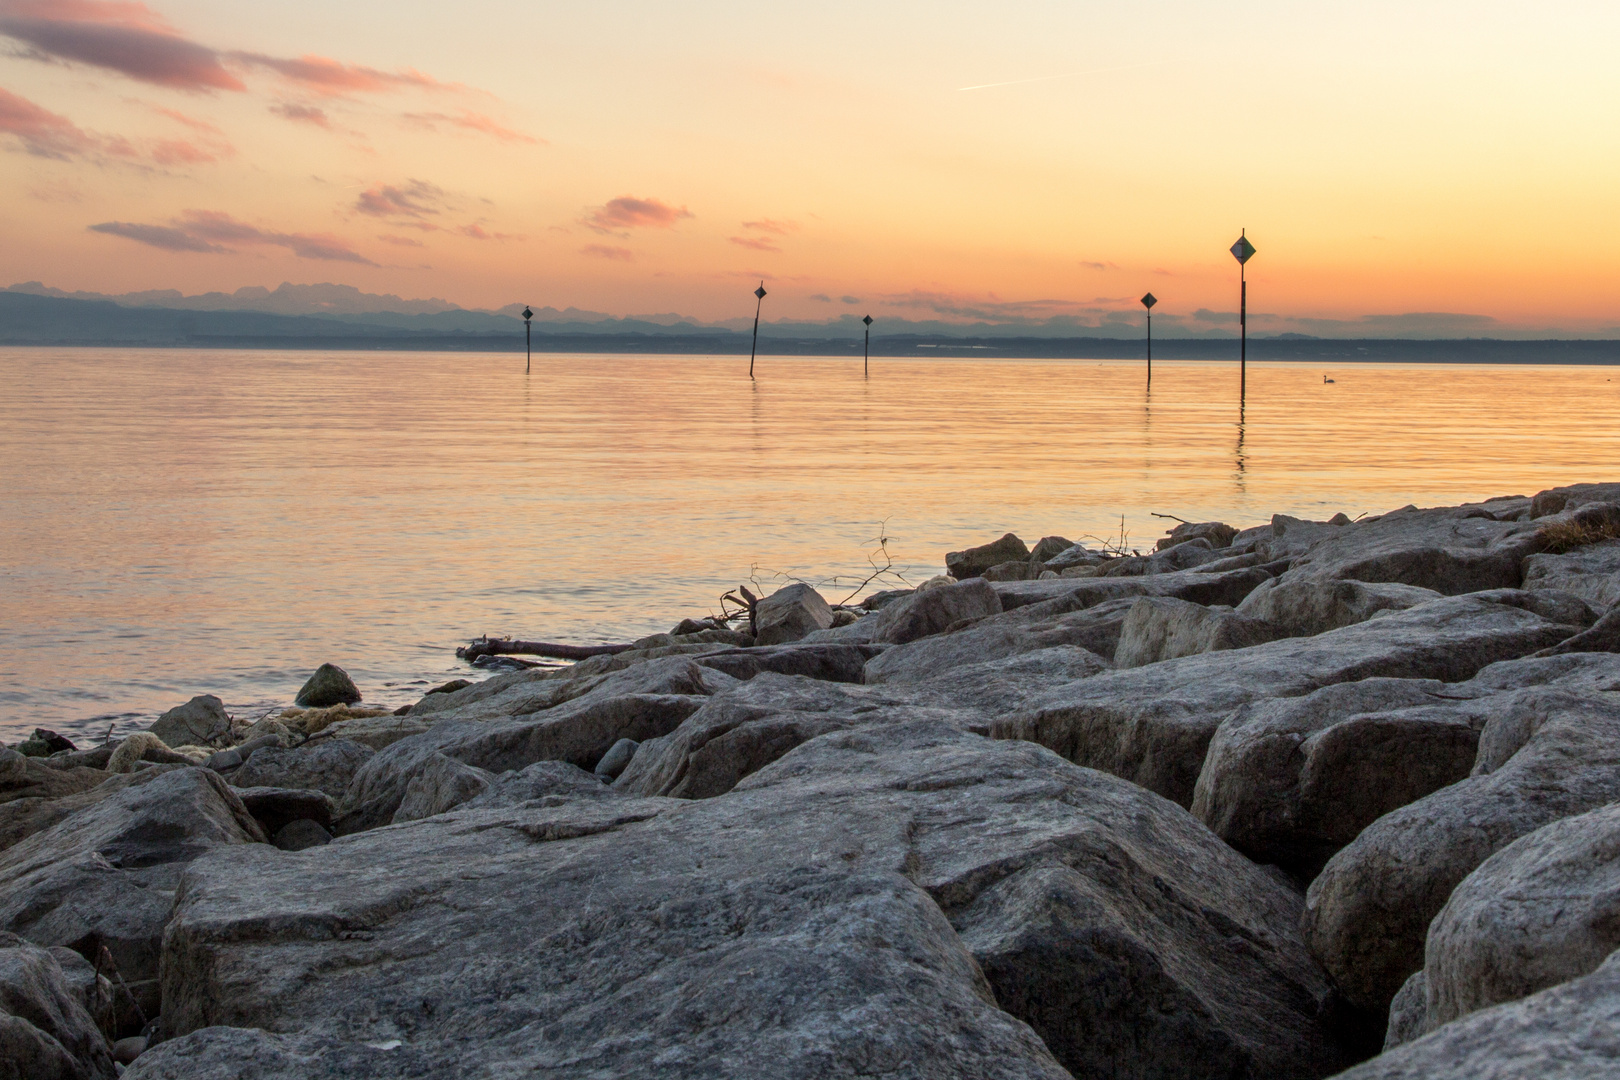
(504, 647)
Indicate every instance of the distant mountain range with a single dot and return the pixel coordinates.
(342, 317)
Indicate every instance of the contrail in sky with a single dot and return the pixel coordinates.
(1067, 75)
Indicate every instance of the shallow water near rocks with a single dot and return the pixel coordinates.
(184, 522)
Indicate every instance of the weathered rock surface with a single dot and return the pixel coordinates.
(1592, 573)
(1570, 1032)
(45, 1031)
(830, 661)
(836, 914)
(376, 732)
(1163, 628)
(330, 685)
(1368, 912)
(327, 765)
(1542, 911)
(202, 721)
(641, 703)
(1602, 636)
(105, 876)
(1308, 606)
(790, 613)
(1217, 533)
(1183, 556)
(1452, 550)
(441, 783)
(1570, 497)
(300, 834)
(933, 611)
(741, 731)
(1408, 1013)
(1152, 725)
(1227, 587)
(22, 818)
(1011, 633)
(976, 560)
(1292, 780)
(23, 777)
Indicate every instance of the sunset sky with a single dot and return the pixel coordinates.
(914, 160)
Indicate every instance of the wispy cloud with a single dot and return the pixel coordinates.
(210, 230)
(42, 132)
(769, 225)
(128, 38)
(469, 121)
(603, 251)
(989, 308)
(46, 134)
(302, 114)
(159, 236)
(326, 77)
(413, 199)
(755, 243)
(629, 212)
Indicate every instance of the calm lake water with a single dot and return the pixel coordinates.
(175, 523)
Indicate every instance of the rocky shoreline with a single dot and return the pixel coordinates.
(1299, 800)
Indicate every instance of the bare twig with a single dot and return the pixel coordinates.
(1172, 517)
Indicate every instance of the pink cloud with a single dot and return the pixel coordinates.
(333, 78)
(755, 243)
(181, 152)
(42, 133)
(124, 37)
(602, 251)
(629, 212)
(413, 199)
(210, 230)
(399, 241)
(473, 122)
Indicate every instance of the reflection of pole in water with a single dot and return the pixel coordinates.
(1241, 465)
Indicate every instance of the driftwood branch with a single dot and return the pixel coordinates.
(504, 647)
(1172, 517)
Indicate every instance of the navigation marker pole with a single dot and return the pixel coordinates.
(528, 342)
(868, 366)
(1148, 301)
(1242, 251)
(759, 294)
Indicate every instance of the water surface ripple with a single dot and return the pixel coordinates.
(182, 522)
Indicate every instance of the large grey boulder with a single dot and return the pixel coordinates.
(1292, 780)
(1227, 587)
(740, 731)
(832, 661)
(1011, 633)
(1452, 550)
(23, 817)
(45, 1031)
(330, 685)
(1152, 725)
(202, 721)
(1217, 533)
(790, 613)
(1570, 1032)
(639, 703)
(327, 765)
(1591, 572)
(106, 875)
(858, 907)
(1162, 628)
(1542, 911)
(1571, 497)
(1183, 556)
(442, 783)
(933, 611)
(1369, 910)
(1307, 606)
(975, 561)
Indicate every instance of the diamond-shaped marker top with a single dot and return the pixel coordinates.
(527, 314)
(760, 292)
(867, 320)
(1149, 300)
(1242, 250)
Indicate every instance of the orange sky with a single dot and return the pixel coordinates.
(633, 158)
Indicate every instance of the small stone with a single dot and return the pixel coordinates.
(225, 759)
(54, 743)
(975, 561)
(616, 759)
(448, 688)
(125, 1051)
(300, 834)
(330, 685)
(202, 721)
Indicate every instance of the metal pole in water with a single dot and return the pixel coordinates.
(1242, 251)
(528, 342)
(1148, 301)
(867, 367)
(759, 295)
